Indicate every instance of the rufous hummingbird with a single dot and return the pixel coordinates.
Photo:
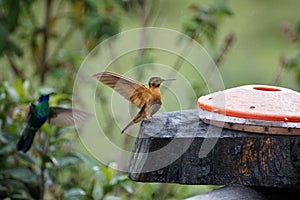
(147, 99)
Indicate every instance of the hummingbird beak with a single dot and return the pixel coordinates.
(169, 79)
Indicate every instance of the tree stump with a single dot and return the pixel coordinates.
(177, 147)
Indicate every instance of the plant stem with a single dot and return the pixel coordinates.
(282, 66)
(14, 66)
(229, 40)
(43, 61)
(44, 141)
(143, 24)
(42, 185)
(61, 42)
(179, 60)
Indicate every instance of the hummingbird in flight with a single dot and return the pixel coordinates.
(38, 114)
(147, 99)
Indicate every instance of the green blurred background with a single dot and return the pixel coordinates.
(43, 43)
(257, 25)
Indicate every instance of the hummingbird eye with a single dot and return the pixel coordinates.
(155, 81)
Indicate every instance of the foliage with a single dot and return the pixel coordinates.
(292, 61)
(205, 20)
(35, 43)
(53, 168)
(23, 35)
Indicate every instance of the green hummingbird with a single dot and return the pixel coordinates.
(41, 112)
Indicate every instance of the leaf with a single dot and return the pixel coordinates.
(45, 157)
(18, 85)
(55, 141)
(20, 173)
(3, 37)
(7, 149)
(74, 192)
(67, 160)
(3, 138)
(2, 188)
(57, 98)
(23, 196)
(108, 174)
(91, 188)
(123, 181)
(127, 186)
(116, 180)
(86, 159)
(94, 166)
(26, 157)
(11, 91)
(223, 8)
(14, 47)
(77, 12)
(293, 62)
(13, 14)
(17, 189)
(112, 198)
(97, 192)
(91, 25)
(205, 20)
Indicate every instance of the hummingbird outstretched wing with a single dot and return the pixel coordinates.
(132, 90)
(60, 116)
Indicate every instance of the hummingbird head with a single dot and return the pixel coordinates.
(156, 81)
(44, 97)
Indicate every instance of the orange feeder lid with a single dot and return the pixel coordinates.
(253, 108)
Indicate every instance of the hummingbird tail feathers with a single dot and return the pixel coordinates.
(130, 124)
(26, 139)
(136, 118)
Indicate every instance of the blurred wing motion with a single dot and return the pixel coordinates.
(66, 116)
(130, 89)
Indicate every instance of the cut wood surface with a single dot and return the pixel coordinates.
(177, 147)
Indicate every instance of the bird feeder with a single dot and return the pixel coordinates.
(253, 108)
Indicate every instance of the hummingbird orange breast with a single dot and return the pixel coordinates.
(156, 101)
